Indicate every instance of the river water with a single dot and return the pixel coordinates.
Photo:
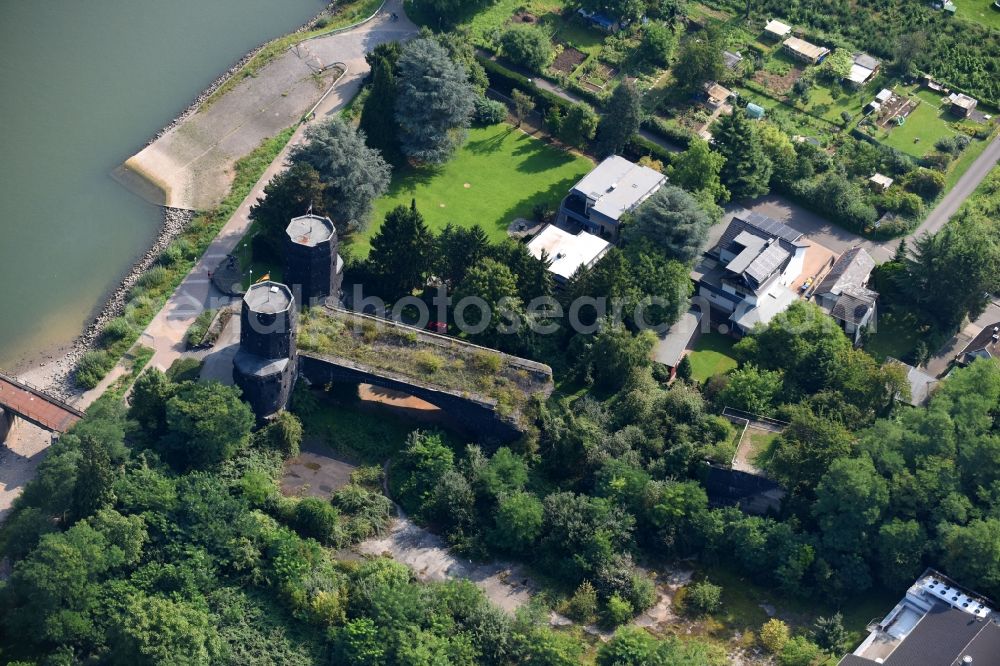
(83, 85)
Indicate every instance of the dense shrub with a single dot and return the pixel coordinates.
(92, 368)
(528, 47)
(489, 111)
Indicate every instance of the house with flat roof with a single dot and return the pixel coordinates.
(748, 273)
(962, 105)
(805, 51)
(776, 30)
(880, 182)
(844, 294)
(864, 68)
(937, 623)
(716, 94)
(567, 251)
(615, 187)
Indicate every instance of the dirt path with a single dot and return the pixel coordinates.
(506, 585)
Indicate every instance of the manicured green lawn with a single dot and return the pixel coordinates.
(498, 175)
(927, 123)
(980, 11)
(895, 336)
(712, 355)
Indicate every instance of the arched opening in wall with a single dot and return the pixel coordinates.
(402, 404)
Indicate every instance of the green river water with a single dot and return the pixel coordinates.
(83, 85)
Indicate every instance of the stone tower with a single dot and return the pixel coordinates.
(265, 365)
(312, 266)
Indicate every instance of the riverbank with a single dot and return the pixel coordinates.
(51, 368)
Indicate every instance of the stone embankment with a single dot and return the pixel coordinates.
(58, 379)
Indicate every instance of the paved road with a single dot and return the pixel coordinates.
(963, 189)
(166, 332)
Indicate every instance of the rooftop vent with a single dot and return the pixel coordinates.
(274, 290)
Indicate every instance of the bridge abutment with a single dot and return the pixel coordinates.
(6, 424)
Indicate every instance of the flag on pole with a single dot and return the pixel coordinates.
(263, 278)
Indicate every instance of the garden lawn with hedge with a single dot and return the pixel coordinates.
(499, 174)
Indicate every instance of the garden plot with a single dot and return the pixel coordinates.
(598, 77)
(568, 59)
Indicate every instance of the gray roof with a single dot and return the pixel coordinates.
(268, 297)
(617, 186)
(731, 59)
(310, 230)
(852, 269)
(767, 262)
(943, 636)
(853, 305)
(676, 339)
(761, 226)
(866, 61)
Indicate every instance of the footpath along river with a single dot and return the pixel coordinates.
(84, 85)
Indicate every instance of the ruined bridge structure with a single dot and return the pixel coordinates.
(20, 400)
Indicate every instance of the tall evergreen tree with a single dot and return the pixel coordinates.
(620, 120)
(747, 171)
(378, 115)
(457, 249)
(673, 221)
(434, 102)
(401, 252)
(353, 174)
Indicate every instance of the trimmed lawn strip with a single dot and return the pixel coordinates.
(712, 355)
(507, 172)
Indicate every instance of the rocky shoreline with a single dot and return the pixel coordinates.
(55, 376)
(52, 370)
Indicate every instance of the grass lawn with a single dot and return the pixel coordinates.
(895, 336)
(820, 101)
(498, 175)
(980, 11)
(712, 355)
(926, 123)
(760, 446)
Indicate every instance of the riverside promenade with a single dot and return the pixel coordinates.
(190, 165)
(165, 334)
(26, 445)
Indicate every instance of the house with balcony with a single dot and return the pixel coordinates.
(748, 273)
(615, 187)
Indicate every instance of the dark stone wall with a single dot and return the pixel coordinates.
(268, 335)
(312, 271)
(478, 419)
(269, 393)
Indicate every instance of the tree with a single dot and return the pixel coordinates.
(524, 104)
(699, 61)
(658, 44)
(684, 369)
(316, 518)
(582, 606)
(829, 633)
(148, 403)
(617, 353)
(527, 46)
(747, 171)
(972, 553)
(401, 252)
(283, 434)
(494, 287)
(702, 598)
(673, 221)
(378, 120)
(752, 389)
(291, 193)
(697, 169)
(434, 102)
(774, 635)
(207, 423)
(800, 651)
(949, 274)
(927, 183)
(909, 47)
(421, 466)
(780, 151)
(457, 249)
(158, 631)
(518, 522)
(353, 175)
(620, 121)
(579, 125)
